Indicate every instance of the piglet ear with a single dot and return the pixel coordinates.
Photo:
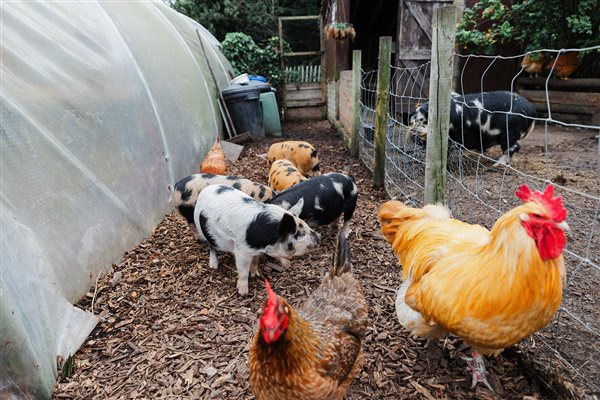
(297, 208)
(287, 225)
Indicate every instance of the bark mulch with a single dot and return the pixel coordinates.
(173, 328)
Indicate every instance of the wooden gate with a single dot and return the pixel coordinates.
(414, 50)
(303, 90)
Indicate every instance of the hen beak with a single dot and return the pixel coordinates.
(270, 334)
(564, 226)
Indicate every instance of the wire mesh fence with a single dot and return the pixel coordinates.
(479, 189)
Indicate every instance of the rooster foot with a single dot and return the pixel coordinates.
(476, 366)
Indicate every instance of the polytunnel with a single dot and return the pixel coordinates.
(103, 105)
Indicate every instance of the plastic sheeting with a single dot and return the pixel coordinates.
(103, 105)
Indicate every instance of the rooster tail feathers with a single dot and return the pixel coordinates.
(341, 259)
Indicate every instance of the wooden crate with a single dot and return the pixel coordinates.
(570, 100)
(304, 101)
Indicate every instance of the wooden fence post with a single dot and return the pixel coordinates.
(356, 64)
(381, 107)
(440, 88)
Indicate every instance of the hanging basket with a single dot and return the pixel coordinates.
(340, 31)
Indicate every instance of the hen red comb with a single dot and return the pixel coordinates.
(271, 295)
(553, 204)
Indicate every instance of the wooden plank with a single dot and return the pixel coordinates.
(304, 95)
(414, 54)
(587, 84)
(569, 118)
(232, 151)
(381, 107)
(422, 19)
(302, 86)
(442, 53)
(302, 17)
(566, 98)
(281, 59)
(303, 53)
(587, 109)
(304, 103)
(345, 100)
(356, 67)
(297, 113)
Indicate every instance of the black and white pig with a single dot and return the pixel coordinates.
(230, 220)
(186, 192)
(481, 120)
(321, 200)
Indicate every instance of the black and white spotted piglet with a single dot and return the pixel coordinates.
(481, 120)
(230, 220)
(321, 200)
(186, 192)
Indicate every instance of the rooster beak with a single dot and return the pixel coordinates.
(564, 226)
(271, 335)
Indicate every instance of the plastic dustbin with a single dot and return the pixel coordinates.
(243, 103)
(270, 111)
(270, 114)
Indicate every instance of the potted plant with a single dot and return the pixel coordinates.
(340, 31)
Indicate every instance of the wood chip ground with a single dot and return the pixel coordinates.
(173, 328)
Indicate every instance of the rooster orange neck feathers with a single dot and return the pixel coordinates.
(273, 322)
(549, 238)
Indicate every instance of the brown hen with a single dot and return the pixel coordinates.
(565, 65)
(315, 352)
(214, 162)
(533, 65)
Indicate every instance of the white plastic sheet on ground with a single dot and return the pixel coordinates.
(103, 105)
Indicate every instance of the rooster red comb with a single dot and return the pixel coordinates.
(553, 204)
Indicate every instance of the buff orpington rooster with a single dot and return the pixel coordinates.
(490, 288)
(315, 352)
(214, 162)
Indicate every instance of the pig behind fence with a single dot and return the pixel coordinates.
(230, 220)
(482, 120)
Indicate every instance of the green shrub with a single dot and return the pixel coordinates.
(532, 24)
(247, 57)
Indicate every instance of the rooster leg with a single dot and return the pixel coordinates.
(477, 367)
